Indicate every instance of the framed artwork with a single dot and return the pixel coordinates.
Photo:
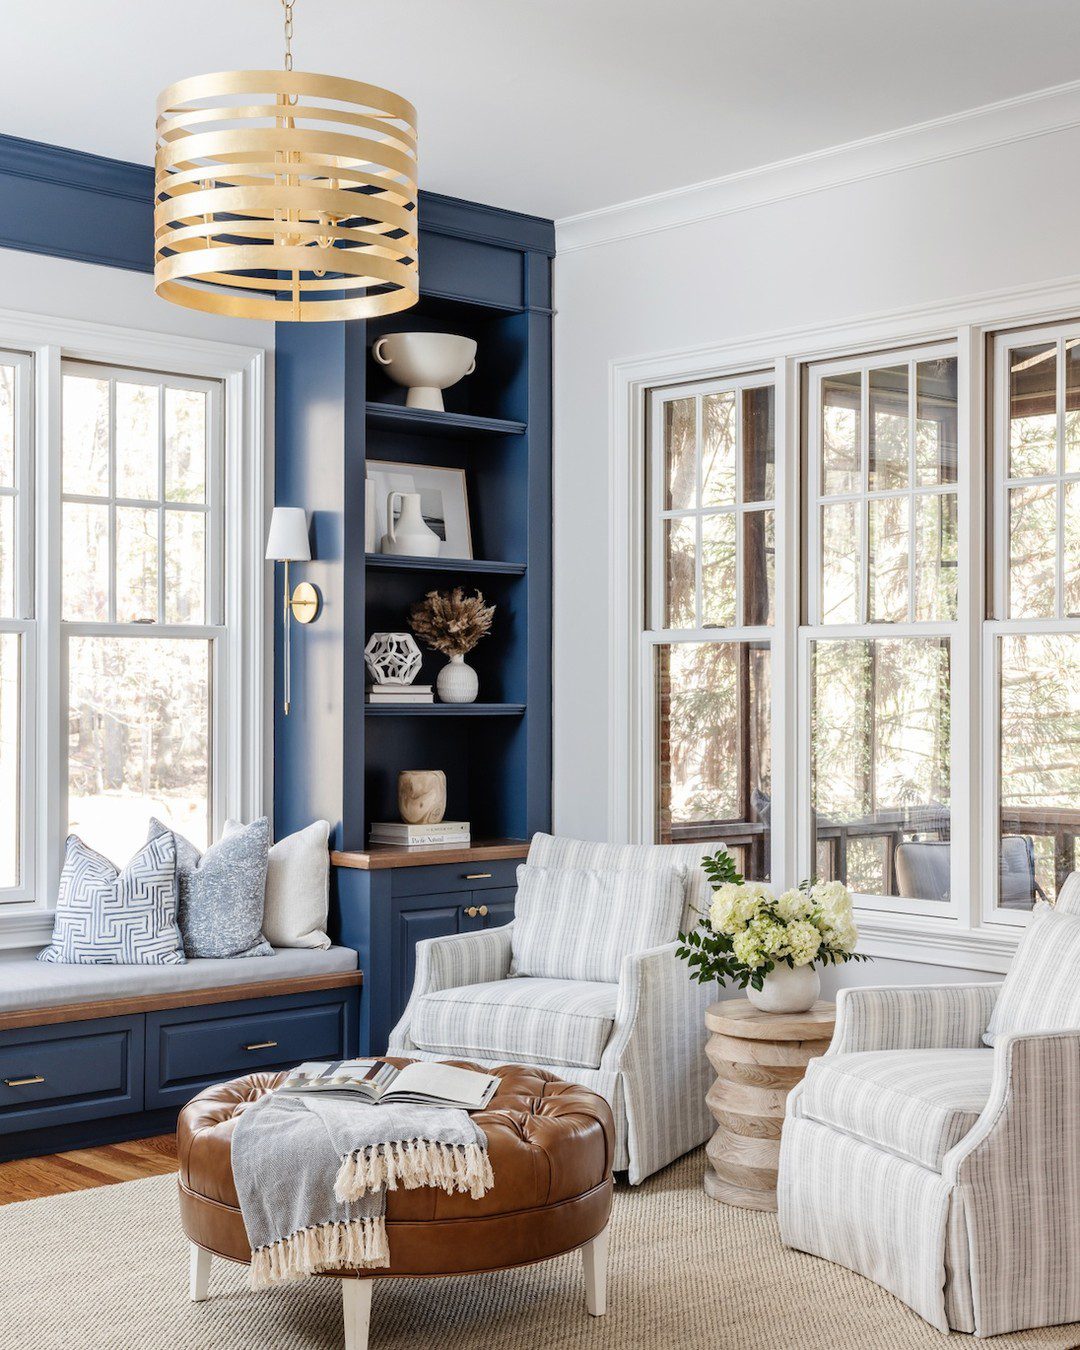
(444, 501)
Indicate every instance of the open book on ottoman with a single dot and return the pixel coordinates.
(374, 1081)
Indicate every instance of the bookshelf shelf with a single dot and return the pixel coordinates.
(387, 562)
(444, 709)
(421, 422)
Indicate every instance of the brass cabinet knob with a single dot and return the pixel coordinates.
(472, 911)
(483, 911)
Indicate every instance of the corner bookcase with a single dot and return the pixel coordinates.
(485, 274)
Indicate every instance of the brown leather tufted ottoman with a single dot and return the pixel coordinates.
(551, 1146)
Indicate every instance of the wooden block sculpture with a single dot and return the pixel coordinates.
(758, 1057)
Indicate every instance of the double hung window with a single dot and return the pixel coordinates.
(712, 607)
(882, 606)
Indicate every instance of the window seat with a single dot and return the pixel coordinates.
(33, 993)
(97, 1054)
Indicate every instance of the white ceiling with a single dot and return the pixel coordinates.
(552, 106)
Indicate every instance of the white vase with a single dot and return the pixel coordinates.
(457, 682)
(409, 535)
(787, 989)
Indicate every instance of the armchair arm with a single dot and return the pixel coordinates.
(1014, 1177)
(657, 1047)
(449, 963)
(908, 1017)
(1031, 1110)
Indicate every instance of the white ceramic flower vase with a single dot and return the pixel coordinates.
(457, 682)
(786, 989)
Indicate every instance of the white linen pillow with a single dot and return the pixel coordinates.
(1041, 991)
(577, 923)
(297, 887)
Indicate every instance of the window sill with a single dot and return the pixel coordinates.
(939, 942)
(31, 928)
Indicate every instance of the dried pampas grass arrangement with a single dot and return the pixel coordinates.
(451, 622)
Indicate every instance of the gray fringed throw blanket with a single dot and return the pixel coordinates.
(312, 1175)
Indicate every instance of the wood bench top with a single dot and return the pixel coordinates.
(181, 998)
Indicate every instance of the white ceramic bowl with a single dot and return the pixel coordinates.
(426, 364)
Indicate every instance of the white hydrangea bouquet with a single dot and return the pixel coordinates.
(748, 931)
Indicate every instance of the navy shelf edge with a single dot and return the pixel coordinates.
(444, 709)
(396, 417)
(388, 562)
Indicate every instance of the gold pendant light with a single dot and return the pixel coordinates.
(288, 196)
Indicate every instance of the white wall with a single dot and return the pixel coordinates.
(36, 283)
(989, 217)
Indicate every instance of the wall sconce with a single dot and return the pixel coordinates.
(287, 542)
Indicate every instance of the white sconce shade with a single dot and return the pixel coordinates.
(287, 540)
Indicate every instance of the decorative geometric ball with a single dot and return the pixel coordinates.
(392, 658)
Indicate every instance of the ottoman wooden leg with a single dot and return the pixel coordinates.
(356, 1305)
(594, 1258)
(199, 1281)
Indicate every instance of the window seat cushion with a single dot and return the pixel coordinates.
(27, 983)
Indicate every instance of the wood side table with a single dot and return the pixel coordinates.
(758, 1058)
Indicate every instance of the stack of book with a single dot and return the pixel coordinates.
(400, 693)
(414, 836)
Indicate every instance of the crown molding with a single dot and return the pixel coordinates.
(1040, 113)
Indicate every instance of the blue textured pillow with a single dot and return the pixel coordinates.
(222, 891)
(110, 918)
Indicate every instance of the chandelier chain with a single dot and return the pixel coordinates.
(288, 7)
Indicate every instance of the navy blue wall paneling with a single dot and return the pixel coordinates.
(310, 385)
(73, 205)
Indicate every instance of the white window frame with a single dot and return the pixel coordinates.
(214, 630)
(817, 629)
(999, 621)
(243, 778)
(652, 638)
(23, 623)
(977, 937)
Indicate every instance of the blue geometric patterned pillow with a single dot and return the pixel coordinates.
(110, 918)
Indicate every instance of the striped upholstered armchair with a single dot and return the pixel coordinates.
(627, 1023)
(935, 1147)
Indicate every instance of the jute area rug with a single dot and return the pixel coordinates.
(106, 1269)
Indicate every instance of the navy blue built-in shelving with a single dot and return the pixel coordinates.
(486, 274)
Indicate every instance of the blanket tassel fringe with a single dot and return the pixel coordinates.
(358, 1244)
(412, 1163)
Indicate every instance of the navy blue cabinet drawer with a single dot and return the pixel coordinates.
(454, 877)
(187, 1049)
(54, 1075)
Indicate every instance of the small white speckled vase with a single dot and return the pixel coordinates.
(457, 682)
(787, 989)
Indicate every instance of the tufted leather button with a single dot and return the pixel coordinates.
(551, 1145)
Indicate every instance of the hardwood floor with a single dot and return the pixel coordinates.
(32, 1178)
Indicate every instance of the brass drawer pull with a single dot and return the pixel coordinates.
(477, 876)
(261, 1045)
(483, 911)
(471, 912)
(23, 1082)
